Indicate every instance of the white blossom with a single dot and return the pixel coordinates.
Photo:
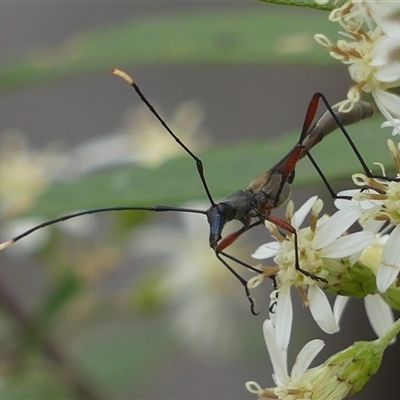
(379, 313)
(292, 386)
(371, 48)
(378, 205)
(317, 244)
(340, 376)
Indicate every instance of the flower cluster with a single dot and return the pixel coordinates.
(364, 264)
(340, 376)
(378, 208)
(320, 247)
(371, 48)
(323, 256)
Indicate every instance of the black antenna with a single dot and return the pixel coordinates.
(95, 211)
(199, 163)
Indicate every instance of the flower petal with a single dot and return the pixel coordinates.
(344, 203)
(389, 73)
(266, 250)
(388, 104)
(321, 310)
(374, 225)
(347, 245)
(303, 211)
(379, 313)
(384, 15)
(336, 225)
(305, 357)
(284, 319)
(339, 306)
(390, 261)
(394, 123)
(277, 355)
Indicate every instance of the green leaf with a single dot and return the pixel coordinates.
(268, 35)
(227, 170)
(328, 6)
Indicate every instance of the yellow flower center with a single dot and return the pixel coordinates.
(308, 257)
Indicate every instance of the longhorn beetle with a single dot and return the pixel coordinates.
(267, 192)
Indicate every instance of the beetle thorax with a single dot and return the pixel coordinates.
(240, 204)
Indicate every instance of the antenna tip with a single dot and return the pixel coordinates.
(4, 245)
(123, 75)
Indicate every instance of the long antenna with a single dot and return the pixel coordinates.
(199, 163)
(96, 211)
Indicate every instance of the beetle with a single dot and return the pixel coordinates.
(254, 205)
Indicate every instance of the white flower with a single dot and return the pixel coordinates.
(353, 14)
(341, 375)
(372, 53)
(380, 12)
(379, 313)
(318, 245)
(379, 212)
(373, 218)
(288, 387)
